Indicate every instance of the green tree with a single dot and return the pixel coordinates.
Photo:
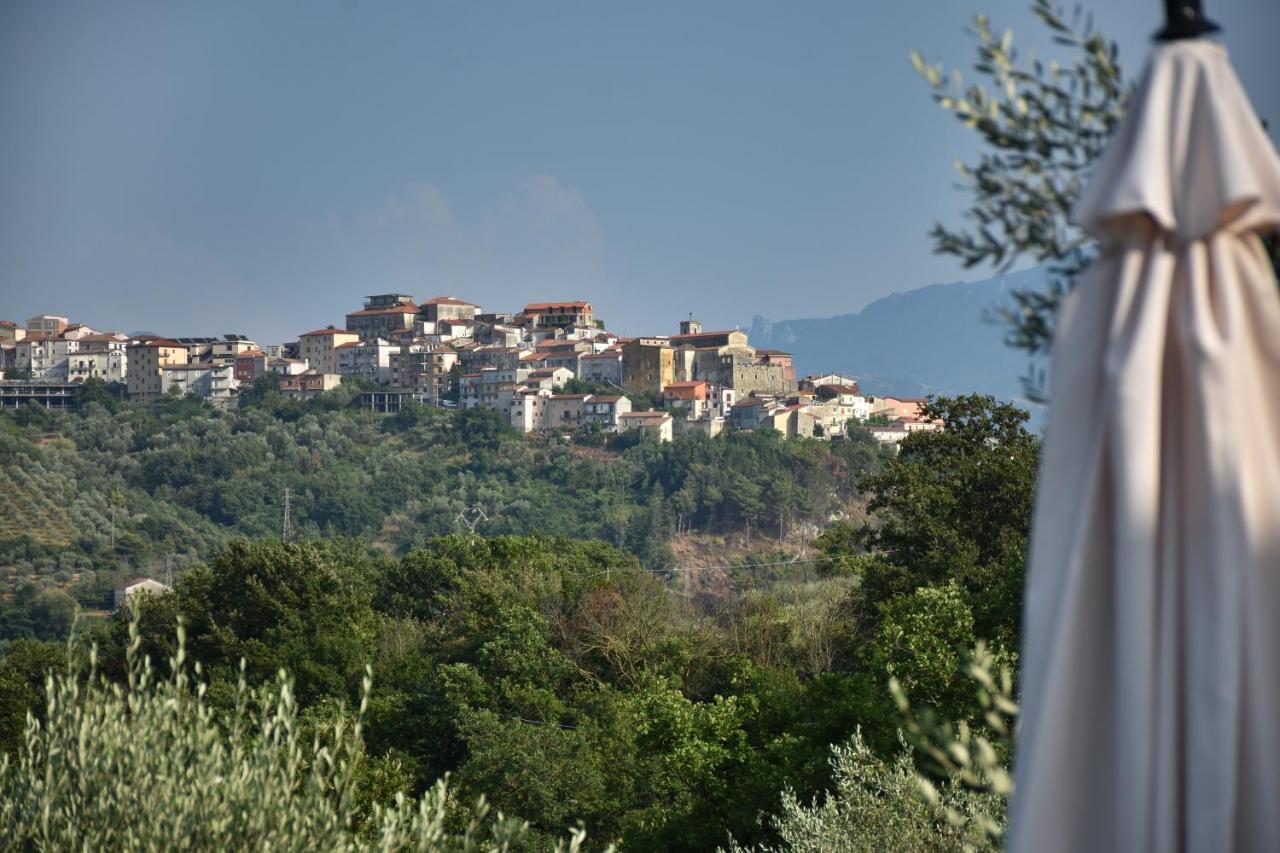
(23, 668)
(956, 504)
(1042, 125)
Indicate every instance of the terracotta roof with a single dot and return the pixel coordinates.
(348, 344)
(657, 415)
(688, 383)
(569, 396)
(535, 307)
(161, 342)
(449, 300)
(318, 333)
(772, 352)
(613, 355)
(606, 399)
(9, 323)
(402, 308)
(250, 353)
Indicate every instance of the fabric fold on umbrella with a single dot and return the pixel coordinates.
(1151, 659)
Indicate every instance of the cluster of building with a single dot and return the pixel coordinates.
(447, 351)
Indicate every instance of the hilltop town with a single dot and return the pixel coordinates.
(550, 367)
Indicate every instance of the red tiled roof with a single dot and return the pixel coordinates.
(325, 332)
(402, 308)
(535, 307)
(449, 300)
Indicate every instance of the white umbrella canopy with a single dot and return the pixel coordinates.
(1151, 660)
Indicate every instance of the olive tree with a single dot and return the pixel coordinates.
(1042, 124)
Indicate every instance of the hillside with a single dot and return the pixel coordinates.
(934, 340)
(180, 479)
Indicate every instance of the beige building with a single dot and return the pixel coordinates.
(423, 369)
(441, 308)
(385, 315)
(319, 348)
(308, 384)
(648, 365)
(48, 324)
(548, 315)
(659, 423)
(564, 411)
(99, 356)
(143, 360)
(11, 332)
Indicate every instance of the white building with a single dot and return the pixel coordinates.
(606, 411)
(659, 423)
(45, 355)
(213, 382)
(135, 586)
(603, 367)
(367, 359)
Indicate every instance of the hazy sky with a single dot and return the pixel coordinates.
(207, 167)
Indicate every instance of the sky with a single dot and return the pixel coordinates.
(258, 167)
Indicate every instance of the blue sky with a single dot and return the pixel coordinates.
(200, 168)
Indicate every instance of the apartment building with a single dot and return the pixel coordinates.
(384, 315)
(144, 359)
(548, 315)
(319, 348)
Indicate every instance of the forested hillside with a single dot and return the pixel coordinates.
(133, 488)
(567, 680)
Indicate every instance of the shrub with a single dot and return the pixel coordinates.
(149, 766)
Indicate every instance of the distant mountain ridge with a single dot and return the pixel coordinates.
(933, 340)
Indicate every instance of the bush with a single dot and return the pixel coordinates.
(877, 805)
(149, 766)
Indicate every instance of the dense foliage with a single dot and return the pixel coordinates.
(150, 766)
(124, 489)
(570, 680)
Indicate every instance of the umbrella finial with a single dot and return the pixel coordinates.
(1184, 19)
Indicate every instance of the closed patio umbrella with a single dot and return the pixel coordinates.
(1151, 660)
